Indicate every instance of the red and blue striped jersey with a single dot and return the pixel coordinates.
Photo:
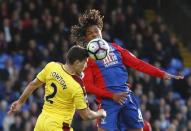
(105, 77)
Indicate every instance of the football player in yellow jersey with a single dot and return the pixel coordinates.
(64, 93)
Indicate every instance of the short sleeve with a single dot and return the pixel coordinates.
(43, 73)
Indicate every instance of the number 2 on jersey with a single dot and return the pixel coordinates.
(52, 94)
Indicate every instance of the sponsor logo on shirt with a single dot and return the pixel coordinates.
(111, 59)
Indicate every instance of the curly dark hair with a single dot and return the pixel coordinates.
(89, 18)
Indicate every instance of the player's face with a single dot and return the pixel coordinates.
(92, 32)
(79, 66)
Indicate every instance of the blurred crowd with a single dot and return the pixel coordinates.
(34, 32)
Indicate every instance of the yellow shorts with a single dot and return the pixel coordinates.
(46, 123)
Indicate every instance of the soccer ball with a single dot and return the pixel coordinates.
(98, 49)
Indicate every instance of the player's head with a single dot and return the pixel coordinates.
(77, 58)
(89, 27)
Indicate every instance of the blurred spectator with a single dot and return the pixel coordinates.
(33, 33)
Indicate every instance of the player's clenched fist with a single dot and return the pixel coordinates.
(102, 112)
(15, 106)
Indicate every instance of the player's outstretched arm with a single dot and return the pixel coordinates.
(130, 60)
(16, 105)
(88, 114)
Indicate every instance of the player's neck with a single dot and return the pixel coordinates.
(69, 69)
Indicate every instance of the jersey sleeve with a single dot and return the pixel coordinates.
(80, 99)
(130, 60)
(42, 74)
(90, 87)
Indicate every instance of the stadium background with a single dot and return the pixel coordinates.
(34, 32)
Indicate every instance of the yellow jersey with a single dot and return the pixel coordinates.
(64, 93)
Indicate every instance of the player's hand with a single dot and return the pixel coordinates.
(15, 107)
(120, 97)
(169, 77)
(102, 112)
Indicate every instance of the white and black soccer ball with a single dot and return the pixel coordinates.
(98, 49)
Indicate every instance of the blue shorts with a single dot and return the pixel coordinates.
(121, 118)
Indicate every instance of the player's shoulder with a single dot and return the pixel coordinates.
(52, 63)
(78, 85)
(90, 61)
(78, 80)
(119, 48)
(113, 44)
(116, 46)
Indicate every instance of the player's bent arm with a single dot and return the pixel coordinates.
(88, 114)
(29, 89)
(80, 102)
(16, 105)
(90, 86)
(101, 92)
